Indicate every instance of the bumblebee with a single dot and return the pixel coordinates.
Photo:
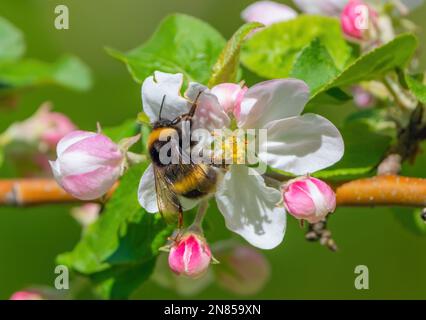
(179, 178)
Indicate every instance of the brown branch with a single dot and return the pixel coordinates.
(26, 192)
(381, 190)
(385, 190)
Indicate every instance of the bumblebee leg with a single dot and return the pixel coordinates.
(194, 105)
(180, 218)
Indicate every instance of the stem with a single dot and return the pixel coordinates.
(382, 190)
(201, 213)
(26, 192)
(398, 94)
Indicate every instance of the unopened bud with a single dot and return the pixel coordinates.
(242, 269)
(88, 164)
(309, 199)
(190, 255)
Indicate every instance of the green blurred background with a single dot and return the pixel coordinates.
(30, 238)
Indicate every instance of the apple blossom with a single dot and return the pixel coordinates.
(268, 12)
(295, 143)
(309, 199)
(190, 255)
(86, 214)
(88, 164)
(362, 98)
(44, 129)
(242, 269)
(356, 18)
(321, 7)
(26, 295)
(184, 286)
(230, 96)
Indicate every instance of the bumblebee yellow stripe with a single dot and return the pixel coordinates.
(190, 181)
(156, 133)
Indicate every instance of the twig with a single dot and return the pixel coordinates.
(26, 192)
(319, 232)
(381, 190)
(407, 146)
(386, 190)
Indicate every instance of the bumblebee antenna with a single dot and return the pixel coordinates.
(194, 105)
(161, 108)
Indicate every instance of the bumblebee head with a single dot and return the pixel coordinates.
(162, 123)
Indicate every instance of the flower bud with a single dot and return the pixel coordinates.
(44, 128)
(88, 164)
(190, 255)
(183, 286)
(309, 199)
(230, 96)
(86, 214)
(321, 7)
(26, 295)
(356, 19)
(362, 98)
(268, 12)
(242, 269)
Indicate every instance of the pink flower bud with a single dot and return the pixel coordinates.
(190, 256)
(309, 199)
(268, 12)
(44, 128)
(230, 96)
(355, 18)
(57, 126)
(88, 164)
(86, 214)
(362, 98)
(26, 295)
(242, 269)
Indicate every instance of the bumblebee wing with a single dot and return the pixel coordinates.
(167, 201)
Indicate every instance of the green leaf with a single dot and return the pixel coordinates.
(411, 220)
(226, 68)
(364, 148)
(119, 250)
(377, 120)
(272, 52)
(376, 63)
(69, 71)
(1, 155)
(332, 96)
(315, 66)
(127, 129)
(12, 44)
(181, 44)
(417, 88)
(124, 234)
(119, 282)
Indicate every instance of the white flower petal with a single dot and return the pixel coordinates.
(71, 139)
(147, 195)
(302, 144)
(250, 207)
(272, 100)
(209, 114)
(193, 90)
(154, 88)
(268, 12)
(321, 7)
